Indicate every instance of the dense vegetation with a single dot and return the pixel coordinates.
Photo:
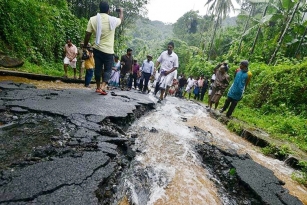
(271, 35)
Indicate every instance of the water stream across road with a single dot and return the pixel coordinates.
(166, 151)
(167, 168)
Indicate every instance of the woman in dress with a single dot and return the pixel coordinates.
(114, 79)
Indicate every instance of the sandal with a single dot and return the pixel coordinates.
(102, 92)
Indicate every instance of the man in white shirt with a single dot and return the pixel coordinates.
(147, 70)
(190, 84)
(169, 63)
(71, 52)
(103, 26)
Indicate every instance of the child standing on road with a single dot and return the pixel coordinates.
(89, 65)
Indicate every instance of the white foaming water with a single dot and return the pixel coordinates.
(171, 154)
(177, 175)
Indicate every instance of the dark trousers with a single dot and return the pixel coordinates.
(88, 76)
(196, 96)
(133, 78)
(180, 91)
(125, 80)
(145, 76)
(233, 103)
(203, 92)
(103, 61)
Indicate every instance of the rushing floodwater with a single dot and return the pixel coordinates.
(176, 173)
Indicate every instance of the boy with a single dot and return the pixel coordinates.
(89, 65)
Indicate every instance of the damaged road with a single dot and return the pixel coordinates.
(63, 146)
(75, 146)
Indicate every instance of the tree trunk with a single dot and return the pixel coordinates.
(283, 34)
(245, 27)
(258, 32)
(212, 39)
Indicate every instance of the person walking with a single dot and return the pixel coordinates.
(235, 93)
(71, 52)
(147, 71)
(126, 70)
(169, 63)
(103, 25)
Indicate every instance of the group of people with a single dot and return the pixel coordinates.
(107, 65)
(216, 86)
(122, 73)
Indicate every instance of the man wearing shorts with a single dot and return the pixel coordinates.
(103, 25)
(71, 52)
(169, 63)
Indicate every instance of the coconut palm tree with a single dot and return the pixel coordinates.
(220, 9)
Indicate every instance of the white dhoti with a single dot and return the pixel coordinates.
(72, 63)
(166, 80)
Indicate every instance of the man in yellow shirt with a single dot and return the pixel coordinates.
(103, 25)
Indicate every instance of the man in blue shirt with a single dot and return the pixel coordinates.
(235, 93)
(147, 71)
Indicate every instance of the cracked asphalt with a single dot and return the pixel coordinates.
(86, 153)
(81, 158)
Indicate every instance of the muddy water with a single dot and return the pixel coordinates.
(44, 84)
(177, 174)
(170, 151)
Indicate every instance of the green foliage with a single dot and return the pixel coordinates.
(279, 152)
(235, 127)
(143, 37)
(52, 69)
(280, 88)
(301, 177)
(232, 171)
(37, 30)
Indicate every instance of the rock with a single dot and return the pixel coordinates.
(153, 130)
(9, 62)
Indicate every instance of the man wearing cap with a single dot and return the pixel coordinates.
(169, 63)
(103, 25)
(235, 93)
(126, 71)
(147, 70)
(220, 84)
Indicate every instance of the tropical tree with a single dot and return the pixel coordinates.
(292, 5)
(220, 9)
